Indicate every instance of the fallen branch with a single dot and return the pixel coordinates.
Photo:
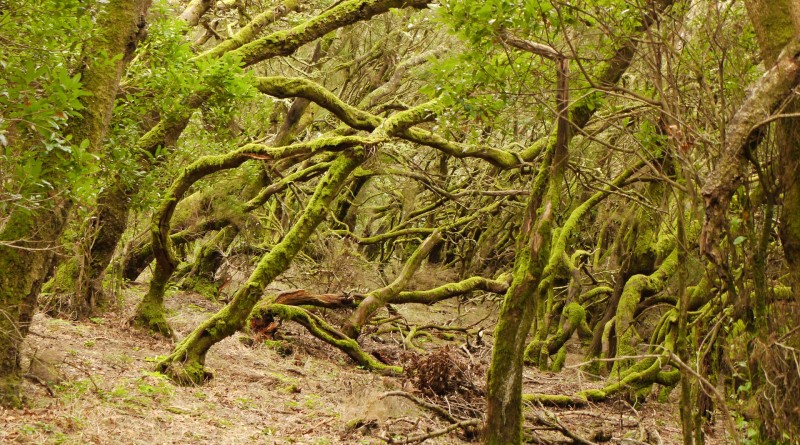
(432, 434)
(436, 409)
(301, 297)
(556, 425)
(323, 331)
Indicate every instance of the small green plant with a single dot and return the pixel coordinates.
(119, 392)
(312, 401)
(73, 390)
(155, 385)
(121, 358)
(245, 403)
(28, 428)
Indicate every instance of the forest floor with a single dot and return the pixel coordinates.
(301, 391)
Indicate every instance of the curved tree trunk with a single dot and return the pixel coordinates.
(186, 363)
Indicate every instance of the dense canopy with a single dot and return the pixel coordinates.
(613, 183)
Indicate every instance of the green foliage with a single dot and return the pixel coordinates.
(40, 93)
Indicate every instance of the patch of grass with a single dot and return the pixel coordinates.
(312, 401)
(245, 403)
(155, 385)
(120, 358)
(290, 404)
(73, 389)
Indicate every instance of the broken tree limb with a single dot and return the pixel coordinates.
(436, 409)
(432, 434)
(301, 297)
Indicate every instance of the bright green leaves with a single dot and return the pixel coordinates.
(162, 72)
(40, 94)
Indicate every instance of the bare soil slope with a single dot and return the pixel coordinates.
(299, 391)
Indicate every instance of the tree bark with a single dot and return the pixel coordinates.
(23, 268)
(776, 23)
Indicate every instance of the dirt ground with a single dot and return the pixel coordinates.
(103, 390)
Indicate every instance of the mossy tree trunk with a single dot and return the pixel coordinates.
(24, 267)
(775, 23)
(504, 388)
(186, 363)
(201, 278)
(504, 407)
(21, 274)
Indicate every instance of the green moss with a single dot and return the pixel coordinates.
(151, 318)
(186, 361)
(344, 13)
(281, 347)
(64, 279)
(202, 286)
(11, 391)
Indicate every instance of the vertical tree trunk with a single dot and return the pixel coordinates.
(23, 268)
(21, 274)
(522, 302)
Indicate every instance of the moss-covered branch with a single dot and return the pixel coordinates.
(451, 290)
(398, 232)
(253, 29)
(323, 331)
(380, 297)
(283, 43)
(538, 351)
(297, 87)
(571, 223)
